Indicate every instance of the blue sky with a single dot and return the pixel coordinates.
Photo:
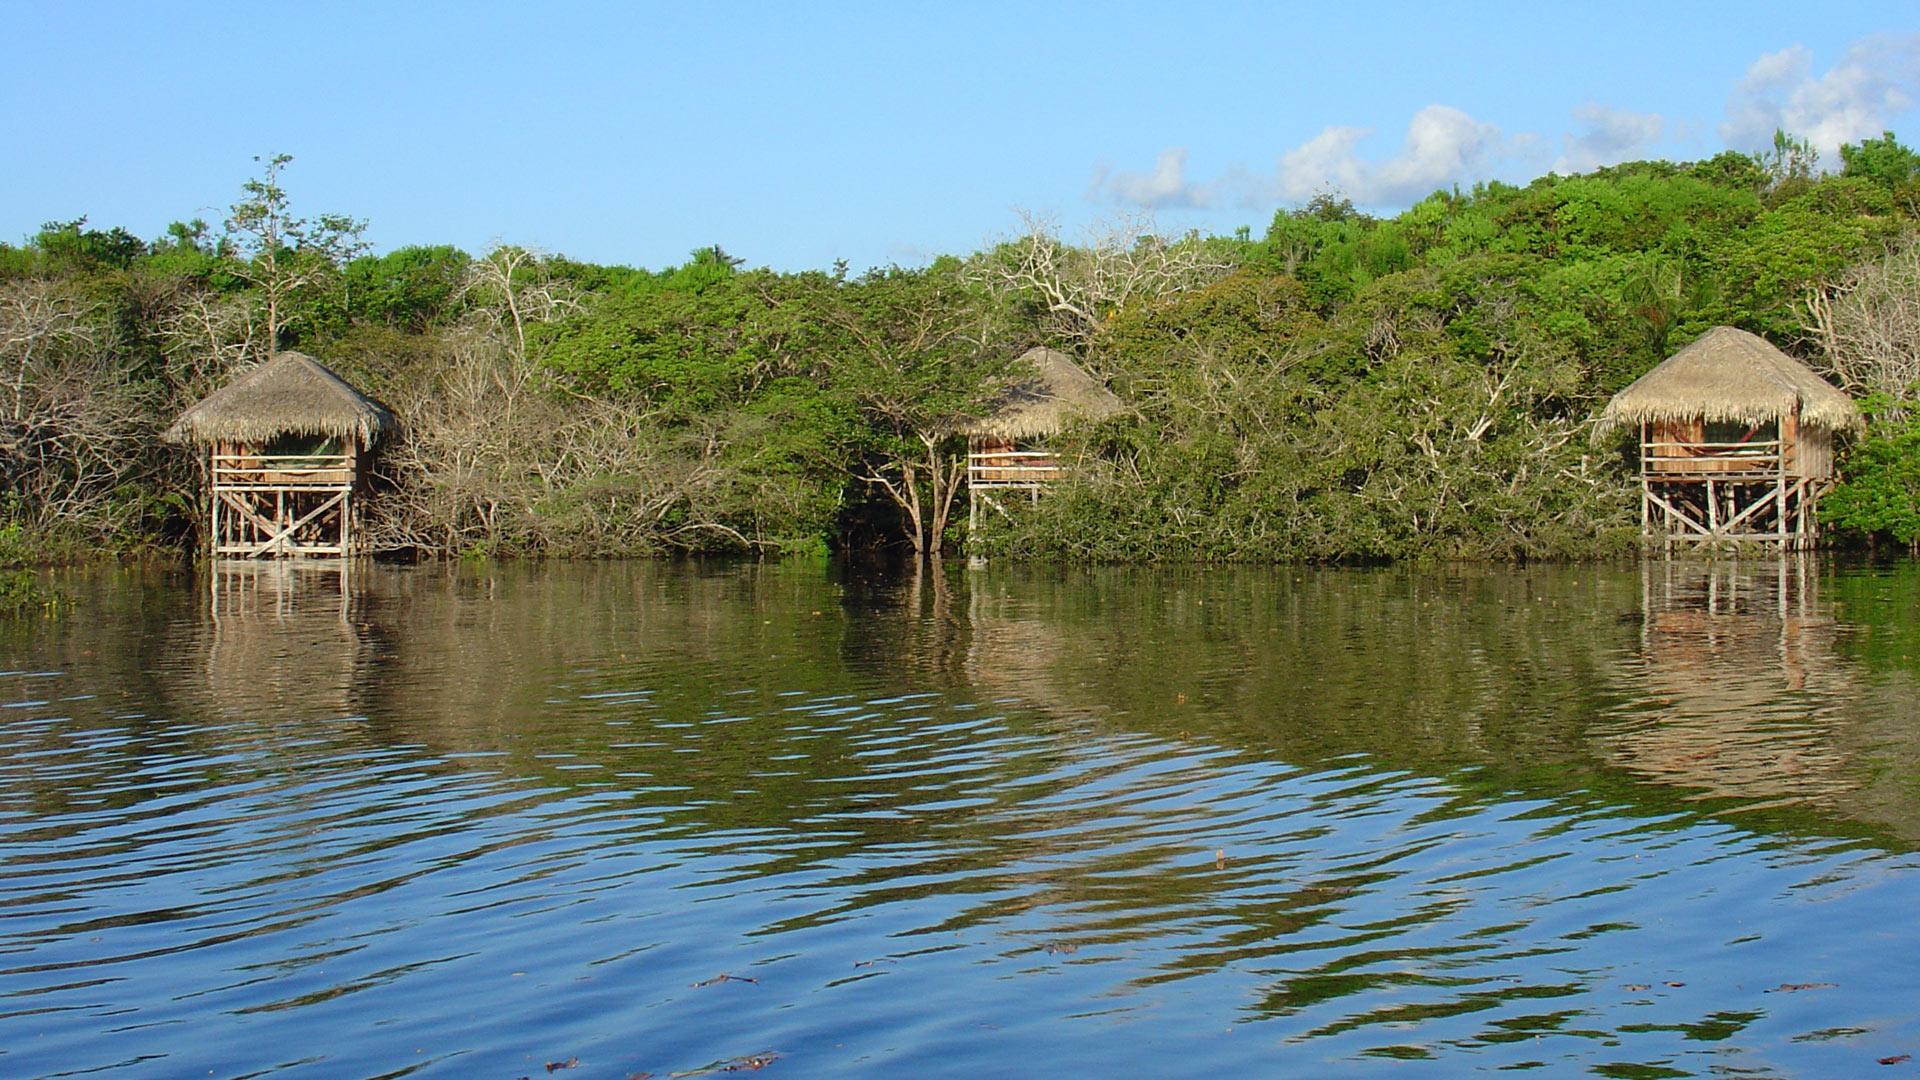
(794, 135)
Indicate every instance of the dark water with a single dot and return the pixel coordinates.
(1005, 822)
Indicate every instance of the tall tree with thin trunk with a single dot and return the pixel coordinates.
(279, 253)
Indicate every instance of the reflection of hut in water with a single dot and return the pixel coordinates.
(1020, 645)
(287, 447)
(283, 637)
(1736, 442)
(1009, 654)
(1736, 677)
(1010, 449)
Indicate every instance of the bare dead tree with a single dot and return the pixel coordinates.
(495, 454)
(73, 423)
(1124, 263)
(512, 290)
(206, 337)
(1867, 324)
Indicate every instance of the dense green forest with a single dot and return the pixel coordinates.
(1343, 387)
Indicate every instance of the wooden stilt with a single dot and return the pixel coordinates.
(267, 507)
(1746, 492)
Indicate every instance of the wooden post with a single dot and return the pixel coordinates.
(347, 504)
(1666, 530)
(1780, 500)
(1646, 501)
(213, 498)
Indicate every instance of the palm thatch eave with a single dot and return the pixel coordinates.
(291, 394)
(1049, 393)
(1730, 375)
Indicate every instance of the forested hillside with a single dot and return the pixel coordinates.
(1341, 387)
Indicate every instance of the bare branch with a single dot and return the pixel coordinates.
(1125, 263)
(1867, 324)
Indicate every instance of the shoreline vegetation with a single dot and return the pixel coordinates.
(1341, 388)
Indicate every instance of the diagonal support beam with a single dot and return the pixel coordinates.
(1756, 506)
(247, 512)
(295, 527)
(1681, 515)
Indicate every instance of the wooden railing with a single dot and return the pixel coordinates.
(302, 470)
(1011, 468)
(1753, 456)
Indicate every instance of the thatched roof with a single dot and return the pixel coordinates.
(1731, 375)
(291, 394)
(1049, 392)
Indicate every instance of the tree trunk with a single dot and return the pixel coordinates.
(916, 523)
(944, 474)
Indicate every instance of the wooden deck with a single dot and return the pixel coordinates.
(1011, 469)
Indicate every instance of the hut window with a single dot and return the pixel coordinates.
(302, 446)
(1739, 431)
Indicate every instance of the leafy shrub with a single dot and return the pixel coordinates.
(1879, 497)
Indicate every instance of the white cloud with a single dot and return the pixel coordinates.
(1857, 98)
(1443, 146)
(1164, 185)
(1608, 136)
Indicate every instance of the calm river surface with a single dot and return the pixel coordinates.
(610, 820)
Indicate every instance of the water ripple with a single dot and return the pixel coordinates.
(559, 819)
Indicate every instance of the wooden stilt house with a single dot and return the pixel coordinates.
(1736, 443)
(287, 448)
(1010, 448)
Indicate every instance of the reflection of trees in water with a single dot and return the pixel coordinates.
(1711, 679)
(905, 622)
(1041, 754)
(208, 677)
(1715, 680)
(1428, 669)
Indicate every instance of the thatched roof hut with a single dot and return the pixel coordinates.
(1038, 404)
(1731, 376)
(291, 394)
